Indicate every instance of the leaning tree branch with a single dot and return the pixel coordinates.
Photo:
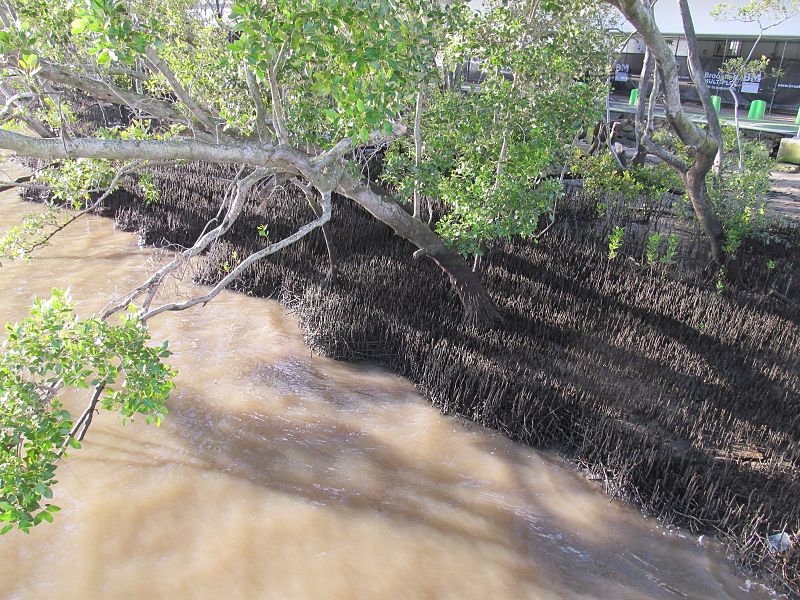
(230, 152)
(106, 91)
(479, 309)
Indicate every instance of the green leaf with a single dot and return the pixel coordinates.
(79, 25)
(321, 88)
(104, 57)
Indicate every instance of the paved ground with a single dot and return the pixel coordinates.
(781, 125)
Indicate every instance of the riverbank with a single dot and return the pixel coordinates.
(282, 474)
(680, 398)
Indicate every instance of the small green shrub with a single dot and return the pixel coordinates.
(615, 242)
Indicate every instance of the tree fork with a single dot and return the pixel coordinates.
(703, 147)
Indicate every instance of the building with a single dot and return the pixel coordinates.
(719, 40)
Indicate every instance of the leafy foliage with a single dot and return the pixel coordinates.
(653, 255)
(48, 352)
(766, 13)
(357, 64)
(489, 155)
(17, 242)
(610, 187)
(740, 197)
(73, 181)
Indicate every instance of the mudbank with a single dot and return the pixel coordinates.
(682, 399)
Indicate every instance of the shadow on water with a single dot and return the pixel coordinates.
(349, 452)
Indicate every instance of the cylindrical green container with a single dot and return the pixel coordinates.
(797, 118)
(757, 109)
(716, 102)
(634, 97)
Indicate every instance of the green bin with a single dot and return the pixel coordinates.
(797, 118)
(716, 102)
(757, 109)
(634, 99)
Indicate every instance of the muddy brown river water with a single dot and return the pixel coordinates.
(281, 474)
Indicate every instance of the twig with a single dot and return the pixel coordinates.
(84, 421)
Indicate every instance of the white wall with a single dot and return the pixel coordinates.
(669, 20)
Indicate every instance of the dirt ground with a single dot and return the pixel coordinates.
(784, 199)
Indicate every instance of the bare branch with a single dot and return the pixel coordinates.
(12, 103)
(699, 78)
(664, 154)
(231, 152)
(651, 107)
(418, 146)
(256, 256)
(36, 125)
(84, 420)
(150, 287)
(140, 75)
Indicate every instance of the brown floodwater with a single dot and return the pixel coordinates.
(282, 474)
